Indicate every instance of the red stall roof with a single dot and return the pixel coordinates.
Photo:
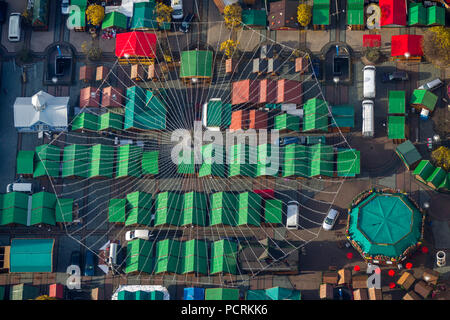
(393, 12)
(372, 40)
(406, 43)
(136, 43)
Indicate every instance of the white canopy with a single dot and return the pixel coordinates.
(41, 108)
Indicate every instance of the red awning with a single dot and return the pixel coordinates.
(372, 40)
(406, 43)
(136, 43)
(393, 12)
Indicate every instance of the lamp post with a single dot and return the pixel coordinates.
(54, 79)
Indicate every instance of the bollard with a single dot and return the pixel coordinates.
(440, 259)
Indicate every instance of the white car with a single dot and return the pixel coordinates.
(434, 84)
(177, 6)
(292, 215)
(330, 219)
(138, 234)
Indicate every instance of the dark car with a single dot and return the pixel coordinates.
(3, 11)
(186, 23)
(317, 68)
(89, 264)
(75, 259)
(394, 76)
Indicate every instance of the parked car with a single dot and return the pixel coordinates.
(75, 259)
(186, 23)
(65, 7)
(432, 85)
(3, 11)
(330, 219)
(369, 82)
(89, 263)
(394, 76)
(137, 234)
(290, 140)
(177, 6)
(14, 30)
(317, 68)
(292, 215)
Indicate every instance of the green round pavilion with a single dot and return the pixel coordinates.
(384, 226)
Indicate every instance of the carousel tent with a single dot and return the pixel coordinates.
(385, 224)
(136, 44)
(393, 13)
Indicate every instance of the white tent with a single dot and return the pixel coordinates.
(41, 112)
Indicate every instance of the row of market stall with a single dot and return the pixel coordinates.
(181, 257)
(195, 208)
(17, 208)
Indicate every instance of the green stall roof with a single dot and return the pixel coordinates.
(321, 12)
(435, 16)
(75, 168)
(101, 161)
(221, 294)
(110, 120)
(385, 224)
(417, 14)
(14, 208)
(129, 160)
(355, 12)
(249, 207)
(408, 153)
(117, 210)
(196, 64)
(322, 160)
(254, 18)
(223, 208)
(424, 98)
(150, 162)
(48, 152)
(31, 255)
(348, 163)
(64, 210)
(115, 19)
(224, 257)
(218, 114)
(85, 121)
(23, 292)
(140, 256)
(287, 121)
(46, 168)
(242, 159)
(423, 170)
(265, 167)
(139, 205)
(194, 209)
(396, 102)
(344, 116)
(437, 177)
(80, 3)
(25, 162)
(315, 115)
(273, 211)
(169, 207)
(43, 208)
(396, 127)
(297, 161)
(144, 16)
(213, 161)
(168, 256)
(195, 257)
(186, 166)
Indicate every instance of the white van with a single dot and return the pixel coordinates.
(369, 82)
(113, 247)
(432, 85)
(292, 215)
(19, 187)
(14, 30)
(368, 123)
